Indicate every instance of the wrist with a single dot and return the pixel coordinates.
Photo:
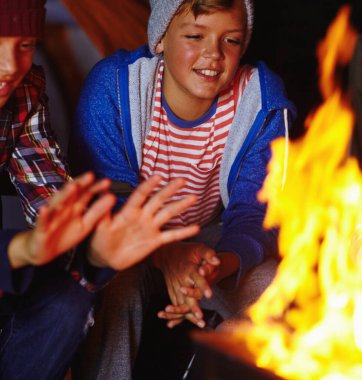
(18, 250)
(93, 251)
(160, 256)
(94, 258)
(229, 264)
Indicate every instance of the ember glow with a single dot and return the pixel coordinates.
(308, 323)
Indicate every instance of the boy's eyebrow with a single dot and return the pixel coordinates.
(186, 24)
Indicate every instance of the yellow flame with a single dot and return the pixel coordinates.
(308, 323)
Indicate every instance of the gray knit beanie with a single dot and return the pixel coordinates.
(162, 12)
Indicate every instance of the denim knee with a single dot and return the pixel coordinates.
(47, 327)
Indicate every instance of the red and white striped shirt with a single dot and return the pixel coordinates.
(193, 150)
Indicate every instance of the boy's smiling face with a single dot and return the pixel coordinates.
(16, 57)
(201, 56)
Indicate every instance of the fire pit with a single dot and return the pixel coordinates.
(307, 324)
(219, 357)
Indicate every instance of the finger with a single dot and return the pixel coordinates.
(171, 291)
(84, 180)
(76, 185)
(174, 208)
(177, 309)
(206, 269)
(72, 204)
(98, 187)
(198, 322)
(195, 308)
(209, 257)
(77, 194)
(179, 295)
(60, 207)
(158, 199)
(142, 193)
(70, 189)
(98, 210)
(66, 193)
(192, 292)
(169, 316)
(175, 234)
(86, 194)
(174, 323)
(202, 284)
(43, 217)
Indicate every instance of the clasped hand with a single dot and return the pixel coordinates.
(189, 270)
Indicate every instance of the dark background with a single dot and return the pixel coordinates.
(285, 36)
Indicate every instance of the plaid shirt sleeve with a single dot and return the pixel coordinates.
(37, 168)
(36, 165)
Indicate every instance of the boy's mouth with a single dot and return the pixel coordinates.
(3, 84)
(208, 73)
(5, 87)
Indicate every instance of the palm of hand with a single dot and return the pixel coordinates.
(123, 238)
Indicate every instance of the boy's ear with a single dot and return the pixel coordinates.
(159, 47)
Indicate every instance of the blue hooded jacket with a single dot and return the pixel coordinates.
(113, 119)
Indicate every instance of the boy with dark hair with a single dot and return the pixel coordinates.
(186, 108)
(45, 302)
(29, 152)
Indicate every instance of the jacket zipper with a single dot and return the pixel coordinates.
(121, 120)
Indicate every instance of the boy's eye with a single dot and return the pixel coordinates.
(232, 41)
(193, 36)
(27, 45)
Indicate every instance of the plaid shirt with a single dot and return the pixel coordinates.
(28, 150)
(31, 155)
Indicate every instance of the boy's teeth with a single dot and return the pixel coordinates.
(210, 73)
(2, 84)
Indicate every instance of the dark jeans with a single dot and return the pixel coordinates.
(42, 329)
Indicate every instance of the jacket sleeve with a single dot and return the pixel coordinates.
(100, 141)
(36, 166)
(98, 144)
(17, 281)
(242, 231)
(12, 281)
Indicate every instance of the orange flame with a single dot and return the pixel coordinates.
(308, 323)
(336, 49)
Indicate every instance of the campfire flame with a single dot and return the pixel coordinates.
(308, 323)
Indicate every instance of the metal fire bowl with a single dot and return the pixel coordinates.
(219, 356)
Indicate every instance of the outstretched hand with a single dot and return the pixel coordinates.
(63, 222)
(127, 237)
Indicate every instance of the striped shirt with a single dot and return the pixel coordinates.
(192, 150)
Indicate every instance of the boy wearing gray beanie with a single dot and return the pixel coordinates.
(186, 106)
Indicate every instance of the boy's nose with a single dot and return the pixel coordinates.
(212, 49)
(8, 61)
